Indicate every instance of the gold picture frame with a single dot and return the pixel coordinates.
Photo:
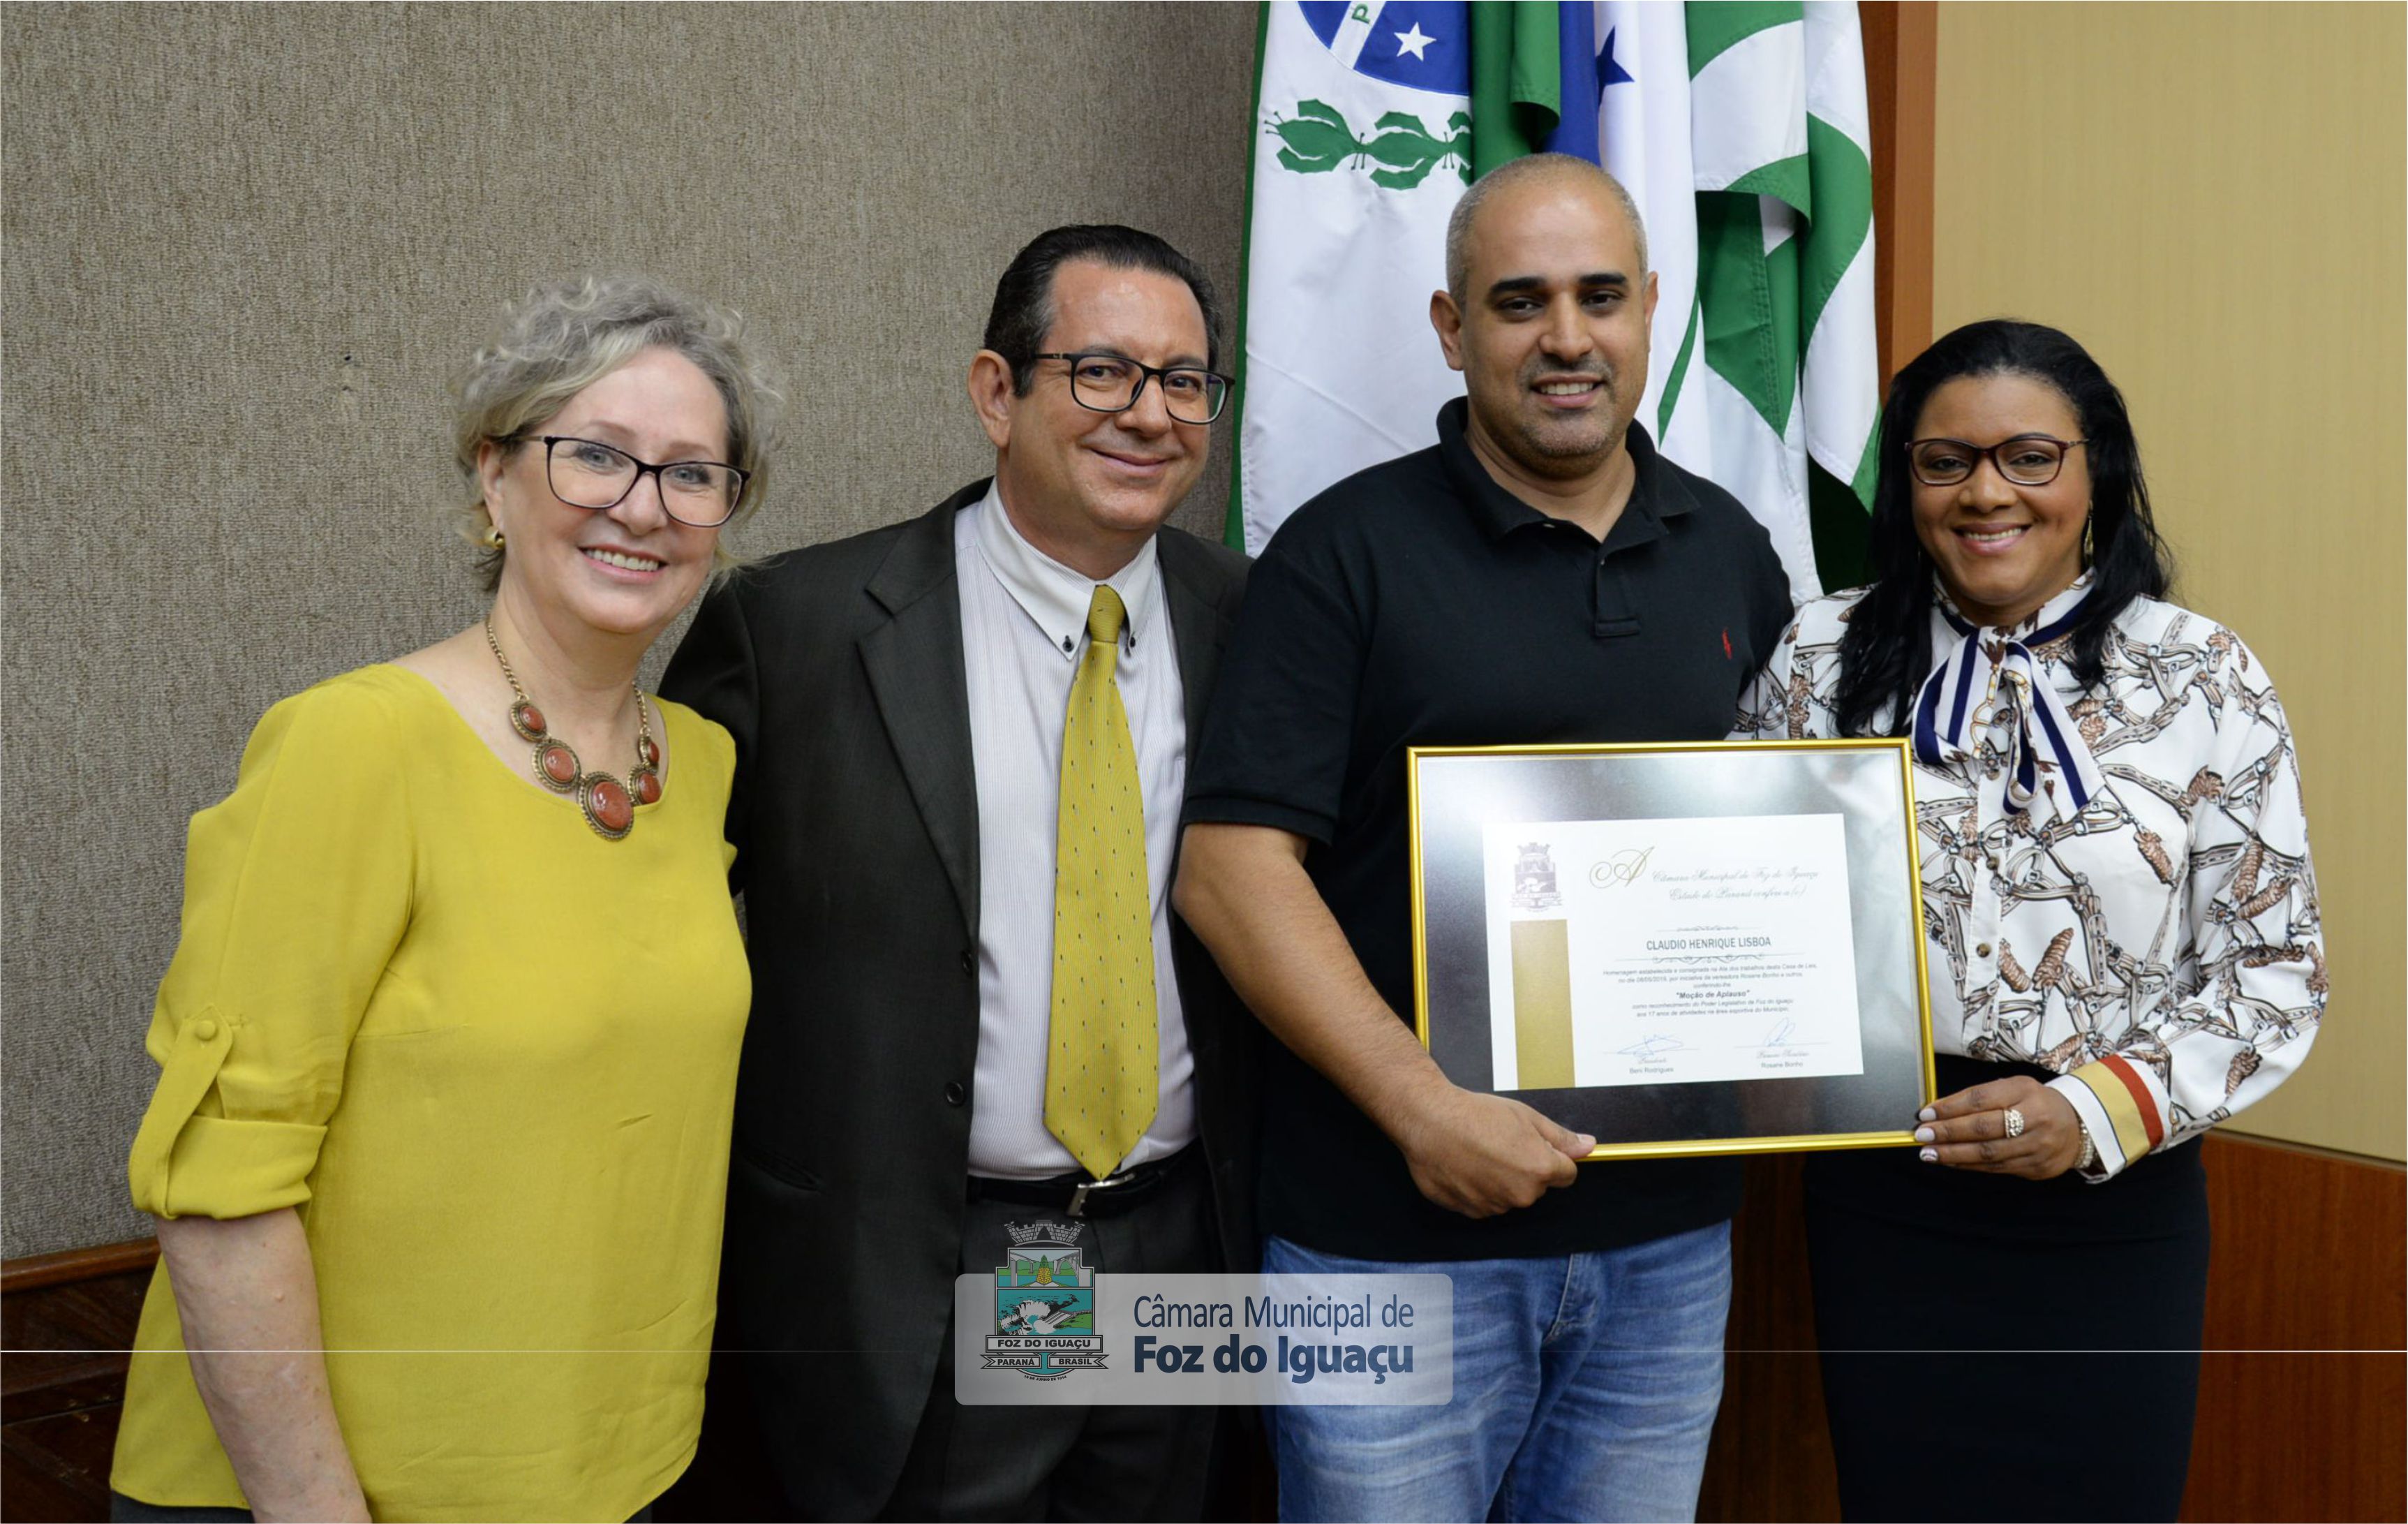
(1459, 797)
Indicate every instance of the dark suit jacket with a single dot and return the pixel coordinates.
(838, 669)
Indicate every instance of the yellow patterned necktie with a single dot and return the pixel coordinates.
(1100, 1086)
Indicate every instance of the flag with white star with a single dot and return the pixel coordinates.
(1362, 144)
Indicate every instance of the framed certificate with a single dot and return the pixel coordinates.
(1698, 948)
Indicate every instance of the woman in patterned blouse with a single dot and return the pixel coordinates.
(2124, 949)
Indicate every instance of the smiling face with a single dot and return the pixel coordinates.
(1088, 488)
(623, 570)
(2002, 549)
(1552, 335)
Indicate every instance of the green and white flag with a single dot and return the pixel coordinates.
(1741, 130)
(1790, 382)
(1643, 133)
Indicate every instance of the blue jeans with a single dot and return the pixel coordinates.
(1584, 1388)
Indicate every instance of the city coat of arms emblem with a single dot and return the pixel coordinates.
(1044, 1304)
(1534, 878)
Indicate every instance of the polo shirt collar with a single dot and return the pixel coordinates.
(1052, 594)
(1656, 495)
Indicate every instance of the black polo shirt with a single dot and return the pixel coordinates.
(1420, 604)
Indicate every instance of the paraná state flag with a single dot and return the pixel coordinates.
(1363, 142)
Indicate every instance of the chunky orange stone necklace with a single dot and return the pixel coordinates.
(610, 805)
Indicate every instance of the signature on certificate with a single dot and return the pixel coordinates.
(1780, 1033)
(1652, 1047)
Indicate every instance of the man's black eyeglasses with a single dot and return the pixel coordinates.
(1113, 382)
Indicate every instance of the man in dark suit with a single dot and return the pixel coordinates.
(961, 748)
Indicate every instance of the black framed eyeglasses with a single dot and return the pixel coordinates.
(2028, 460)
(1102, 383)
(587, 473)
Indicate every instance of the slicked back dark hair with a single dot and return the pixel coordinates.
(1024, 313)
(1886, 653)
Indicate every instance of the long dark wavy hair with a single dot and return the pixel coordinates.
(1886, 653)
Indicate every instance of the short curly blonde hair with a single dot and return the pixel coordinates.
(567, 334)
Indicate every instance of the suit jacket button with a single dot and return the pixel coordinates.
(955, 1092)
(969, 962)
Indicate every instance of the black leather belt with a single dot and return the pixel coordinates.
(1081, 1194)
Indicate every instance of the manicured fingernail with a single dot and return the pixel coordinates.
(1926, 1114)
(1587, 1142)
(1929, 1155)
(1922, 1134)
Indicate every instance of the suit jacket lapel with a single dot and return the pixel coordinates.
(1197, 629)
(914, 666)
(1200, 630)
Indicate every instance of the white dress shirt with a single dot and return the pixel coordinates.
(1023, 635)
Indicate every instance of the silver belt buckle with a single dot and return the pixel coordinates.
(1078, 1192)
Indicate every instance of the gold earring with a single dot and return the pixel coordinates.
(492, 539)
(2087, 520)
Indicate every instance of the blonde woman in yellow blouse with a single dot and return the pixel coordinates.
(448, 1048)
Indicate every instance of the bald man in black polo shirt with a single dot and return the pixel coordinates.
(1539, 576)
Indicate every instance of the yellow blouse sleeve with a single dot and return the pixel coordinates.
(296, 890)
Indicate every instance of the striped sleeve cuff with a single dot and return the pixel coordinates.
(2121, 1104)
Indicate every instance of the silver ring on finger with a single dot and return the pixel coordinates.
(2015, 1122)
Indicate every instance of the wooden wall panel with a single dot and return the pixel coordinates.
(1772, 1452)
(1901, 41)
(67, 1321)
(2304, 1395)
(2303, 1389)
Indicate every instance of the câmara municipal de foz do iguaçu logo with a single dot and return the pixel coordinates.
(1044, 1304)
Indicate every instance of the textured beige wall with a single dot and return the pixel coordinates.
(2210, 198)
(245, 245)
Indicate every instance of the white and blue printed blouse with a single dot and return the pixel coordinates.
(2116, 880)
